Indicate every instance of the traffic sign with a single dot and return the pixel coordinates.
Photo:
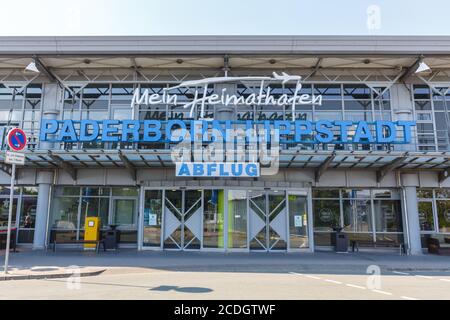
(17, 139)
(15, 158)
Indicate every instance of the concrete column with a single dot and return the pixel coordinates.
(225, 112)
(50, 104)
(411, 208)
(403, 108)
(44, 181)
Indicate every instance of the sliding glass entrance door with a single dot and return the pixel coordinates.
(226, 220)
(153, 218)
(298, 216)
(213, 219)
(183, 211)
(268, 222)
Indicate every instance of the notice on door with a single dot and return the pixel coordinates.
(298, 221)
(152, 220)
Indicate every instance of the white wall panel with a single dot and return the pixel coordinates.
(91, 177)
(361, 178)
(119, 177)
(332, 179)
(428, 180)
(389, 181)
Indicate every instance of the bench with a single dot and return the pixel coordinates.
(435, 247)
(355, 243)
(96, 242)
(3, 238)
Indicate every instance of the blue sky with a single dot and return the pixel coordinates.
(224, 17)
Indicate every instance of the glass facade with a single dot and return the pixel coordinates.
(227, 220)
(433, 117)
(234, 219)
(21, 107)
(354, 102)
(434, 214)
(114, 206)
(373, 217)
(23, 214)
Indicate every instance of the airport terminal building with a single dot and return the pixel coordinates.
(361, 124)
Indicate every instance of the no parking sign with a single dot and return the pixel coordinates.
(17, 139)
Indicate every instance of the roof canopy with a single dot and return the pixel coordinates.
(243, 51)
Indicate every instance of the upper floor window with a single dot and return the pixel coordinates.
(433, 117)
(21, 107)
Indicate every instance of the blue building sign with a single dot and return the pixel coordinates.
(301, 131)
(220, 169)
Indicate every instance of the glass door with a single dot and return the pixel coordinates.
(213, 219)
(183, 211)
(298, 221)
(258, 223)
(276, 220)
(237, 220)
(152, 223)
(268, 220)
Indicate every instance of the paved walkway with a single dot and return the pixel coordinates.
(127, 260)
(198, 276)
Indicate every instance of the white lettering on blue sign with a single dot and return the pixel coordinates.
(300, 131)
(219, 169)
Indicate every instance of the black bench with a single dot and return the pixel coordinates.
(96, 242)
(355, 243)
(12, 243)
(434, 247)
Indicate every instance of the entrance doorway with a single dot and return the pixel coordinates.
(183, 211)
(226, 220)
(268, 220)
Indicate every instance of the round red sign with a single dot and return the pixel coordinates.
(17, 139)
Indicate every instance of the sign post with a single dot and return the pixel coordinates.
(17, 141)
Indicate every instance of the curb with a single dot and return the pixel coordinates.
(50, 276)
(412, 269)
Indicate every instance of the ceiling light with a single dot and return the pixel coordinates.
(423, 67)
(32, 67)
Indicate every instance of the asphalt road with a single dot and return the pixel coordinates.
(142, 283)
